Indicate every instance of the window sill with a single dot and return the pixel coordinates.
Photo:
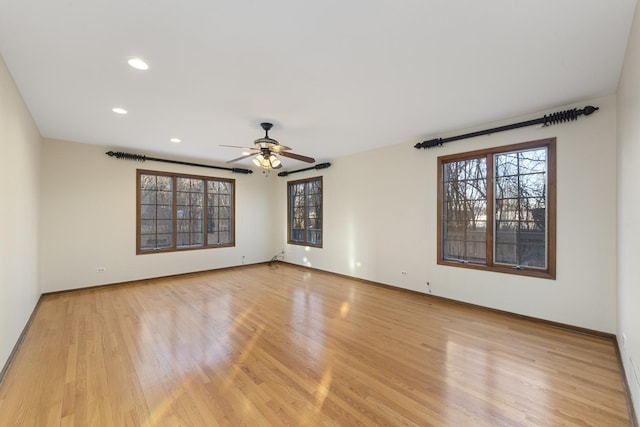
(182, 249)
(304, 244)
(541, 274)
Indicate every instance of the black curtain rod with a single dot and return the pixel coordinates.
(318, 166)
(141, 158)
(547, 120)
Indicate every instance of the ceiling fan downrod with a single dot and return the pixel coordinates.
(267, 127)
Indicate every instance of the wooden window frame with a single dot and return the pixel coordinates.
(174, 247)
(290, 184)
(490, 265)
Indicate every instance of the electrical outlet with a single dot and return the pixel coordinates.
(428, 287)
(403, 273)
(624, 339)
(242, 259)
(100, 270)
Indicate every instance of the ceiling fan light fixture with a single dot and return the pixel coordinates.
(263, 161)
(267, 151)
(275, 162)
(257, 160)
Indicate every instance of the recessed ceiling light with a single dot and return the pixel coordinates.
(176, 140)
(119, 110)
(138, 64)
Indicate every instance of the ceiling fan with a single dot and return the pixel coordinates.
(265, 151)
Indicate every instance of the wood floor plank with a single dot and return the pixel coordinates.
(261, 346)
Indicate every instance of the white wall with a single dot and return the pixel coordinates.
(629, 211)
(19, 175)
(380, 219)
(89, 220)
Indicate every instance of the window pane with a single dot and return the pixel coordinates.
(182, 239)
(164, 183)
(182, 199)
(506, 253)
(506, 187)
(213, 238)
(224, 212)
(190, 218)
(520, 208)
(465, 210)
(313, 237)
(197, 239)
(465, 240)
(182, 225)
(534, 185)
(157, 223)
(154, 211)
(533, 250)
(164, 240)
(220, 213)
(164, 212)
(147, 212)
(225, 237)
(164, 198)
(148, 197)
(305, 211)
(147, 243)
(476, 251)
(147, 182)
(507, 164)
(197, 199)
(148, 227)
(165, 226)
(195, 225)
(297, 235)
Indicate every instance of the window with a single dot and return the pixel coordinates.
(497, 209)
(305, 212)
(177, 212)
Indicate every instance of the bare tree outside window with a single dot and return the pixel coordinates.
(497, 209)
(177, 212)
(305, 212)
(520, 208)
(465, 209)
(156, 212)
(190, 212)
(220, 212)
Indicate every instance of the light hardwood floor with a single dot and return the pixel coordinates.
(260, 346)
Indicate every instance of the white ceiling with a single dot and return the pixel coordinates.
(335, 77)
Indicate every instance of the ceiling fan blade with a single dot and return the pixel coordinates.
(237, 146)
(278, 148)
(241, 157)
(298, 157)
